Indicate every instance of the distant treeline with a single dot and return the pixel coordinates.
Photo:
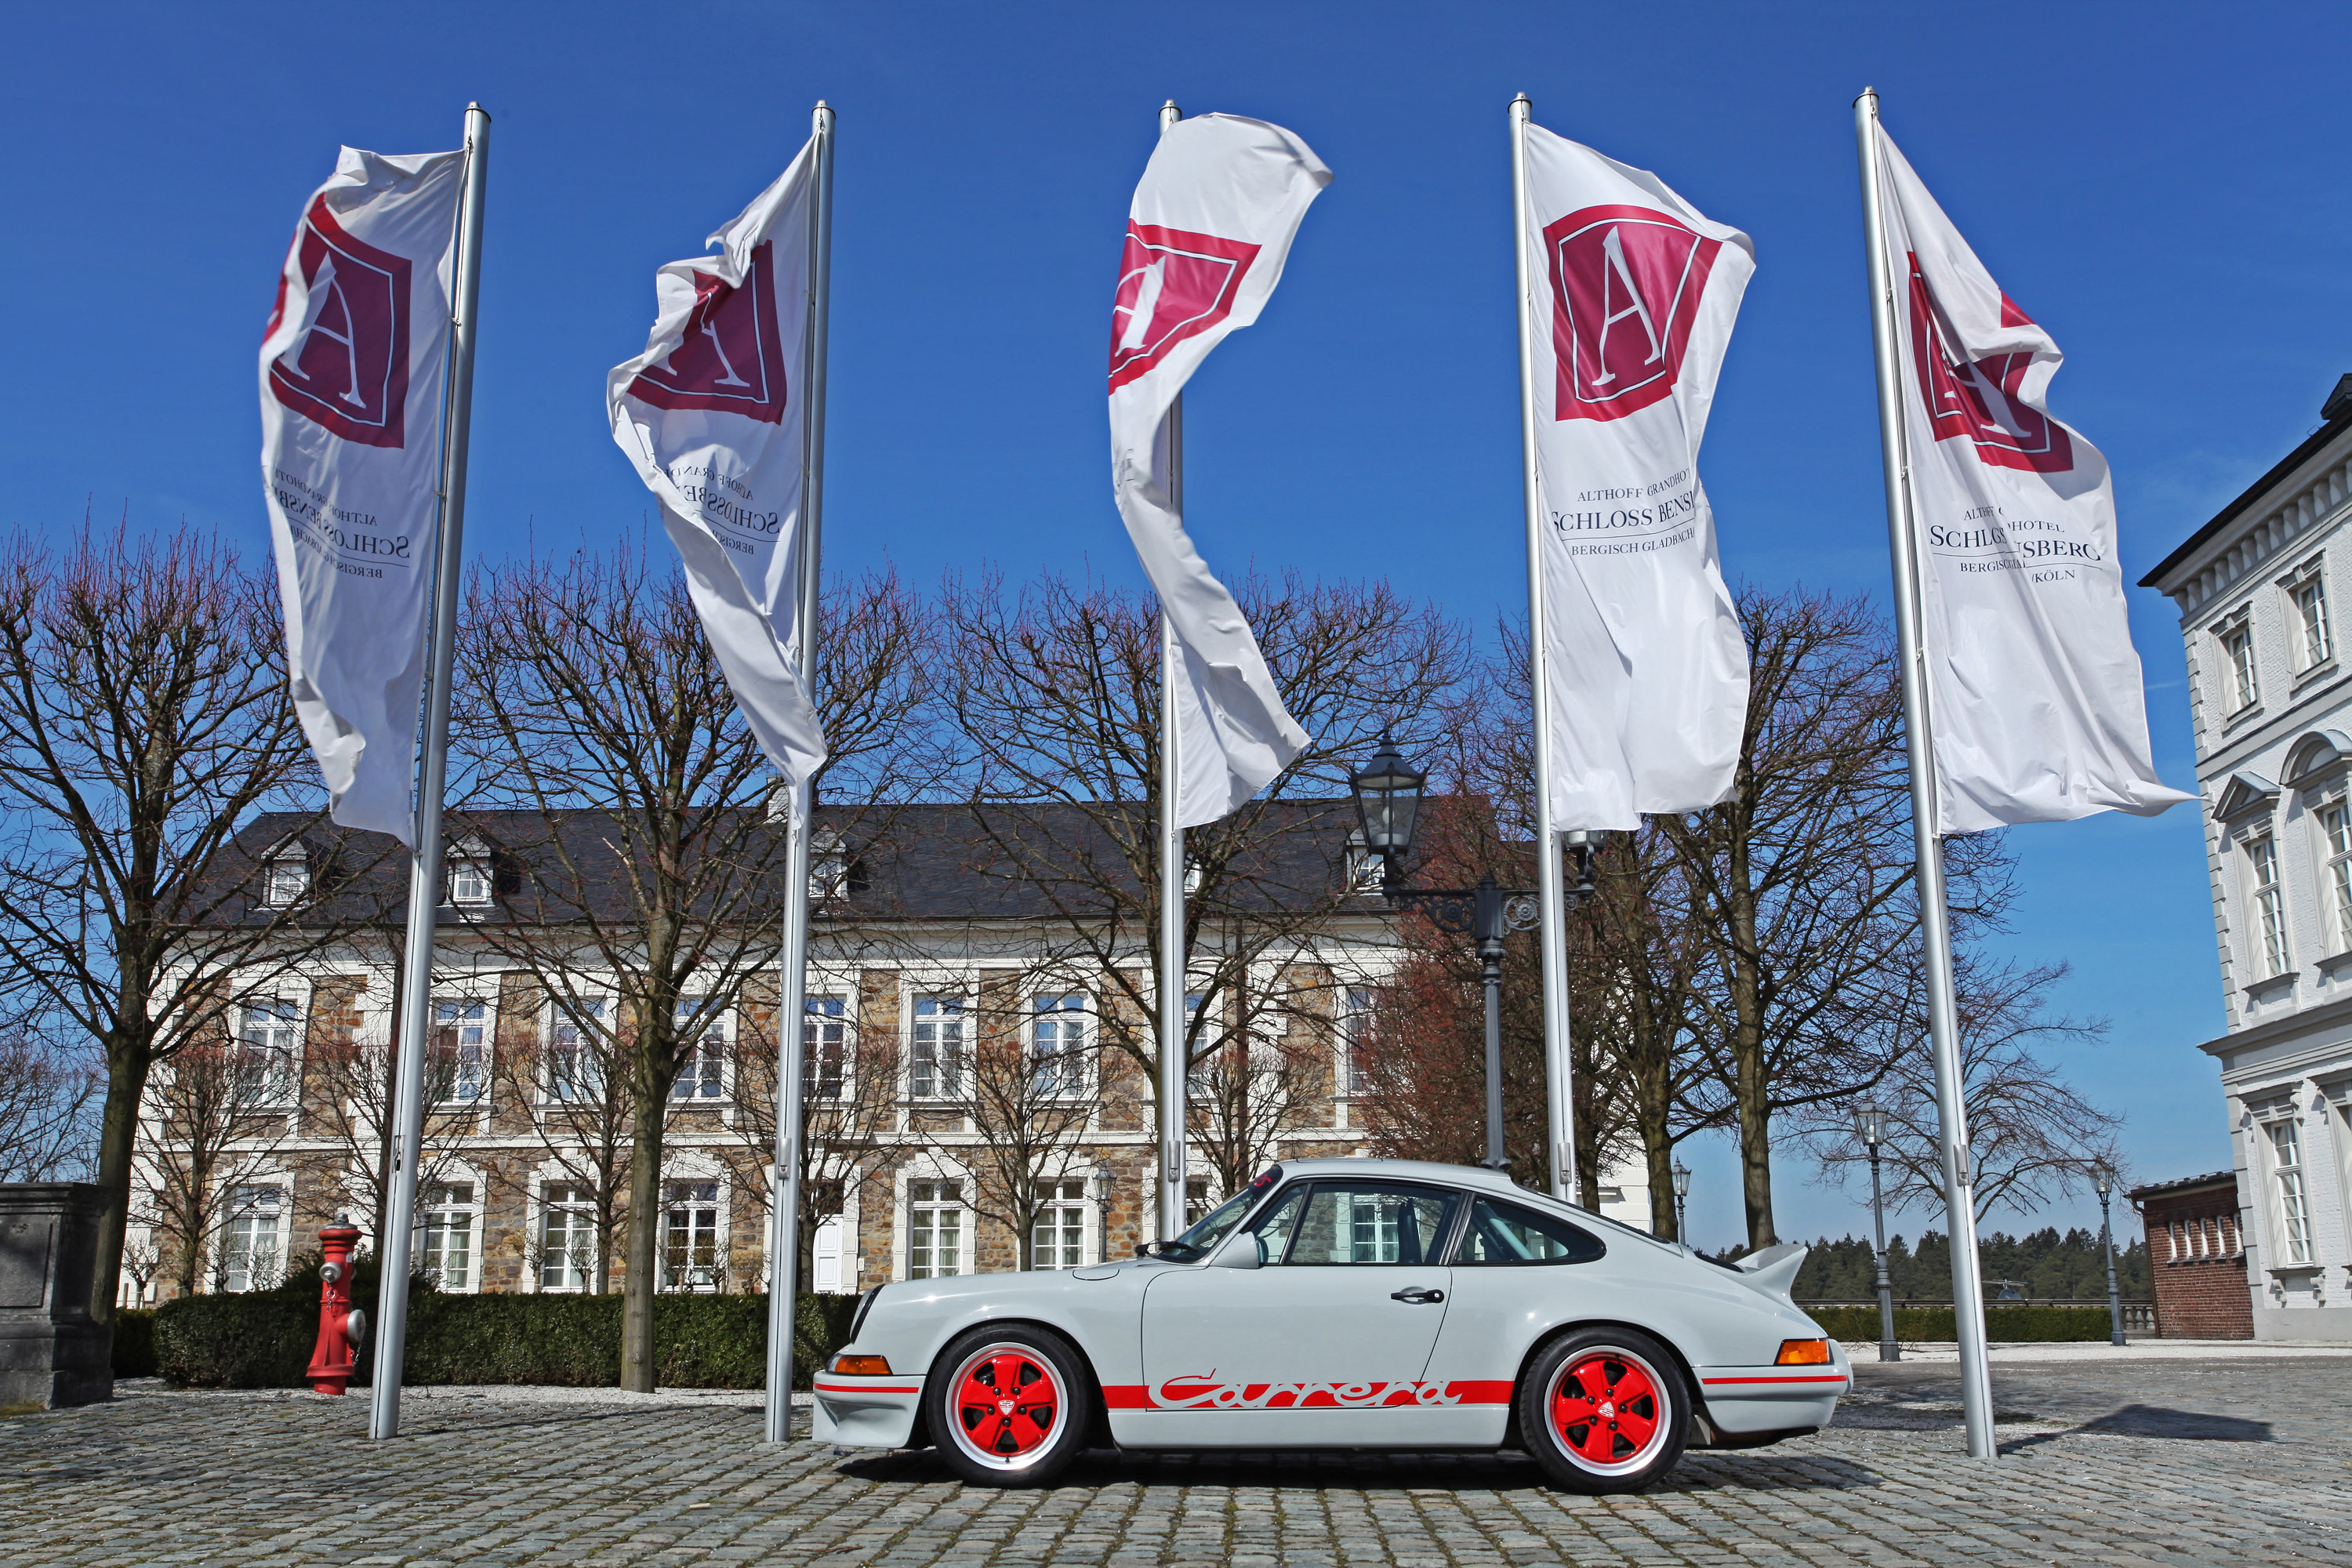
(2046, 1265)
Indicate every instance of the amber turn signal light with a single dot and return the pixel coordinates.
(1793, 1352)
(879, 1367)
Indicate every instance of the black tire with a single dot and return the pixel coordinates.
(1031, 1422)
(1621, 1444)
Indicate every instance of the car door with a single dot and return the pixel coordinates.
(1326, 1341)
(1514, 1271)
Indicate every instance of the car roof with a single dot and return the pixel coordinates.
(1412, 1170)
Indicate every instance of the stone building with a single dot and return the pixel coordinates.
(2261, 591)
(2197, 1254)
(965, 1018)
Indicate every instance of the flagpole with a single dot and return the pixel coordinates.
(1174, 1047)
(1559, 1088)
(424, 862)
(1935, 918)
(791, 990)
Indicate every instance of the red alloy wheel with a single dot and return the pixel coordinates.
(1008, 1405)
(1608, 1412)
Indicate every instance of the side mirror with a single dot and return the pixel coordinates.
(1242, 1249)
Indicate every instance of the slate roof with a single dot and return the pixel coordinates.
(908, 862)
(2186, 1183)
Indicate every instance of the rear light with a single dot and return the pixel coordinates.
(864, 1365)
(1803, 1352)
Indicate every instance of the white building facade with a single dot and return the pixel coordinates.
(2263, 591)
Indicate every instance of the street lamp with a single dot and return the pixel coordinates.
(1682, 1190)
(2102, 1177)
(1870, 1126)
(1388, 790)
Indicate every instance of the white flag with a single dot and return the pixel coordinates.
(1632, 295)
(710, 417)
(2035, 694)
(352, 367)
(1206, 237)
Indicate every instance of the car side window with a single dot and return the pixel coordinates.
(1509, 1236)
(1274, 1228)
(1373, 1222)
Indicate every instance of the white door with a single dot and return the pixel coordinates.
(826, 1262)
(1327, 1342)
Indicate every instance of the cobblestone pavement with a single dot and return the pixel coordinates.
(2127, 1463)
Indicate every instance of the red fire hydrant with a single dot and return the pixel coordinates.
(340, 1328)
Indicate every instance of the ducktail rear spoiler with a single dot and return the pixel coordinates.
(1772, 1270)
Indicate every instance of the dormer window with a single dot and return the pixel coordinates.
(285, 880)
(1366, 871)
(469, 875)
(828, 866)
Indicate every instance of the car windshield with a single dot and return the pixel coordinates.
(1211, 1229)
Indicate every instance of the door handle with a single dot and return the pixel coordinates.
(1417, 1294)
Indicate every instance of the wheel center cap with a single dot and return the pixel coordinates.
(1608, 1409)
(1004, 1406)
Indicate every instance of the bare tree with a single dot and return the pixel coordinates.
(1055, 693)
(570, 1088)
(850, 1103)
(645, 867)
(221, 1110)
(1800, 884)
(1249, 1089)
(1031, 1108)
(143, 716)
(47, 1093)
(2032, 1137)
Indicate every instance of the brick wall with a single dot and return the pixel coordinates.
(2198, 1261)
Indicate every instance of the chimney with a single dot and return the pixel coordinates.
(2339, 402)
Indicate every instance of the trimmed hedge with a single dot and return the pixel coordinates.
(2039, 1325)
(263, 1339)
(134, 1341)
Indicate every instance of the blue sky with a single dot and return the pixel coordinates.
(2162, 187)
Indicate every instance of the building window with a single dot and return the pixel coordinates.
(567, 1237)
(2336, 822)
(2315, 640)
(2238, 646)
(576, 1073)
(253, 1250)
(469, 880)
(458, 1060)
(1197, 1202)
(690, 1259)
(1357, 1009)
(2293, 1209)
(447, 1252)
(702, 1064)
(934, 1229)
(285, 880)
(1366, 871)
(261, 1066)
(1058, 1240)
(824, 1044)
(2270, 904)
(1057, 1043)
(936, 1071)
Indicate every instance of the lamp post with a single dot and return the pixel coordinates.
(1102, 1210)
(1682, 1190)
(2102, 1177)
(1387, 790)
(1870, 1126)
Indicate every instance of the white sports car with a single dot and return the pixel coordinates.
(1348, 1304)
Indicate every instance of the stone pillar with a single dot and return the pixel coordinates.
(51, 1353)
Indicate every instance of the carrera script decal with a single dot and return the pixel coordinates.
(1203, 1391)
